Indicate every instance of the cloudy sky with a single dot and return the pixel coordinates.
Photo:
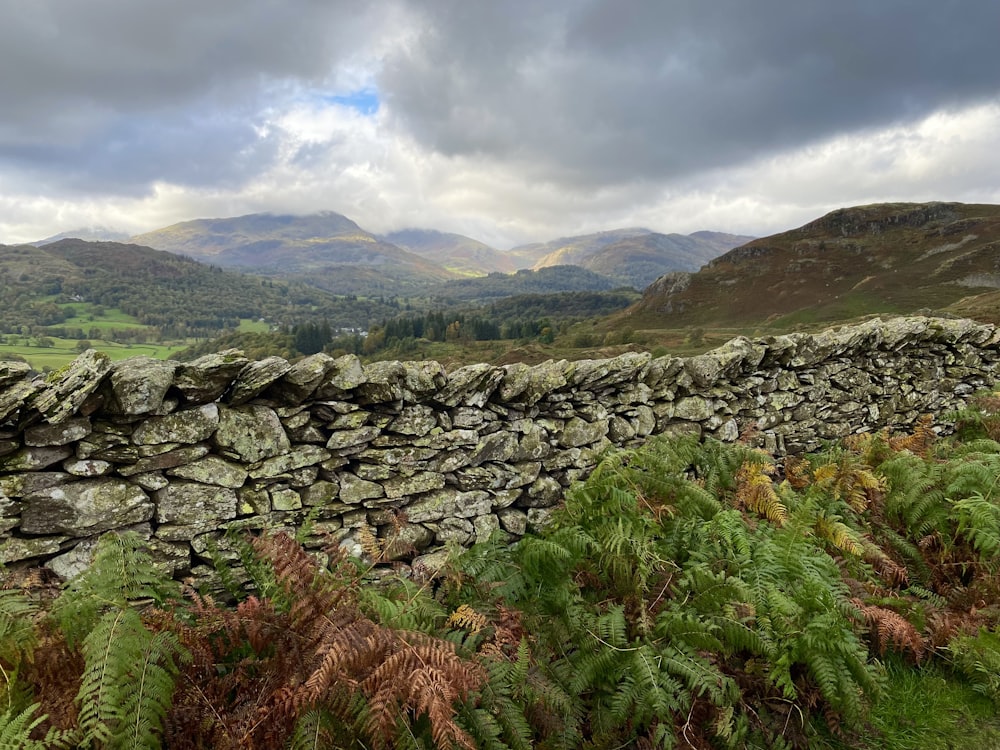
(508, 120)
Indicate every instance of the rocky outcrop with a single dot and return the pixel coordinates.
(180, 453)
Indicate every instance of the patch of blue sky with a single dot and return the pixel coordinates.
(364, 101)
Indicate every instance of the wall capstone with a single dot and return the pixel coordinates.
(180, 452)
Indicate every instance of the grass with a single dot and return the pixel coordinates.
(82, 316)
(64, 351)
(927, 708)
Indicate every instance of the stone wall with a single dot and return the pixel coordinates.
(182, 451)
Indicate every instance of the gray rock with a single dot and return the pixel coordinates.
(346, 375)
(296, 458)
(470, 386)
(188, 426)
(285, 499)
(139, 385)
(88, 467)
(513, 521)
(405, 486)
(84, 508)
(67, 389)
(414, 420)
(207, 378)
(302, 380)
(347, 438)
(190, 503)
(15, 550)
(250, 434)
(447, 503)
(212, 470)
(255, 377)
(34, 459)
(61, 433)
(578, 432)
(355, 490)
(167, 460)
(19, 485)
(499, 446)
(12, 371)
(322, 492)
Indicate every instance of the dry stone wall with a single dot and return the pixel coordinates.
(180, 452)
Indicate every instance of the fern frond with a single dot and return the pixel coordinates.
(128, 681)
(755, 490)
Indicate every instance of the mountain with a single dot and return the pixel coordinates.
(635, 256)
(456, 252)
(885, 258)
(325, 249)
(91, 234)
(552, 280)
(157, 288)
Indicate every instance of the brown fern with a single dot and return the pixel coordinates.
(920, 440)
(891, 630)
(755, 491)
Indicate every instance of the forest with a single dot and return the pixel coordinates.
(687, 594)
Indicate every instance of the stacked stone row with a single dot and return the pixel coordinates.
(411, 454)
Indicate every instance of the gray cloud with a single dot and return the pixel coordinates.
(515, 116)
(613, 90)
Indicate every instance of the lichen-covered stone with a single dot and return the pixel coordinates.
(15, 550)
(447, 503)
(61, 433)
(303, 378)
(139, 385)
(84, 508)
(296, 458)
(212, 470)
(167, 460)
(250, 433)
(285, 498)
(347, 438)
(255, 377)
(414, 420)
(34, 459)
(355, 490)
(12, 371)
(67, 389)
(578, 432)
(188, 503)
(405, 486)
(207, 378)
(188, 426)
(88, 467)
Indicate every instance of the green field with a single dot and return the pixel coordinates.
(64, 350)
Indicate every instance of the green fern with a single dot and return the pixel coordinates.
(128, 681)
(121, 573)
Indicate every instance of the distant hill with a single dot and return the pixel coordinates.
(91, 234)
(156, 287)
(551, 280)
(325, 249)
(635, 257)
(883, 258)
(454, 252)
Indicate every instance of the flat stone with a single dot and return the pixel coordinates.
(84, 508)
(404, 486)
(212, 470)
(285, 499)
(186, 503)
(321, 492)
(255, 377)
(355, 490)
(250, 433)
(579, 432)
(14, 550)
(448, 503)
(68, 388)
(139, 385)
(189, 426)
(168, 460)
(304, 377)
(347, 438)
(91, 467)
(34, 459)
(207, 378)
(19, 485)
(61, 433)
(296, 458)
